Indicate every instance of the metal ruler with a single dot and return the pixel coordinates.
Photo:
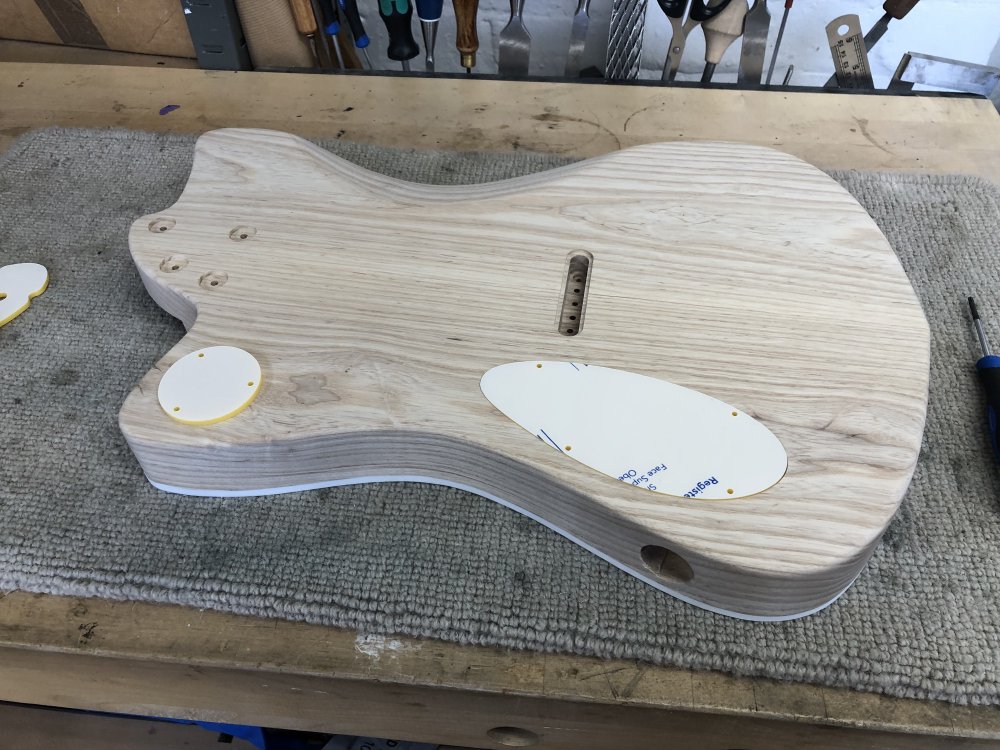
(850, 57)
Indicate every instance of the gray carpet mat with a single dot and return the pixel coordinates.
(77, 516)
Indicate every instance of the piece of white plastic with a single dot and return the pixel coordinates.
(19, 284)
(209, 385)
(643, 431)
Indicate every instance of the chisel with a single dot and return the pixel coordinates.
(720, 32)
(466, 38)
(515, 43)
(429, 13)
(578, 39)
(893, 9)
(305, 22)
(755, 28)
(397, 16)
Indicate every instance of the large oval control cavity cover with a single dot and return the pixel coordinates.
(641, 430)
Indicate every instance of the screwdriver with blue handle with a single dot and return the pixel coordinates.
(988, 368)
(397, 15)
(350, 11)
(331, 25)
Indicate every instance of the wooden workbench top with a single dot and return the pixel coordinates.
(175, 661)
(829, 130)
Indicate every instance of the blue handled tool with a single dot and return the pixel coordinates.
(350, 11)
(988, 368)
(429, 13)
(331, 25)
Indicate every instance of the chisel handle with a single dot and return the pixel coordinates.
(466, 38)
(898, 8)
(429, 10)
(724, 29)
(305, 20)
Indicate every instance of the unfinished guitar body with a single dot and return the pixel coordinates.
(374, 308)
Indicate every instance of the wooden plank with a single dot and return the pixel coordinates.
(33, 52)
(175, 661)
(406, 711)
(35, 728)
(930, 134)
(816, 274)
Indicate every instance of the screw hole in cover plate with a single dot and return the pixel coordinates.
(513, 736)
(666, 564)
(161, 225)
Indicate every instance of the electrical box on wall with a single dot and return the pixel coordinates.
(217, 34)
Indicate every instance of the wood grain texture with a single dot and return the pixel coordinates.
(927, 134)
(397, 297)
(134, 639)
(167, 660)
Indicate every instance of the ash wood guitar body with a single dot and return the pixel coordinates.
(374, 307)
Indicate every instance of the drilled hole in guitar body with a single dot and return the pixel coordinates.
(579, 267)
(666, 564)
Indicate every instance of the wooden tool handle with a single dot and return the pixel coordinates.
(305, 20)
(723, 29)
(898, 8)
(466, 39)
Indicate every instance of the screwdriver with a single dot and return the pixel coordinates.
(720, 32)
(350, 9)
(429, 13)
(331, 25)
(777, 41)
(397, 15)
(466, 38)
(988, 368)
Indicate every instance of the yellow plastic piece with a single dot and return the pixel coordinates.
(19, 284)
(210, 385)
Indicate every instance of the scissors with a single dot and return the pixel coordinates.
(699, 11)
